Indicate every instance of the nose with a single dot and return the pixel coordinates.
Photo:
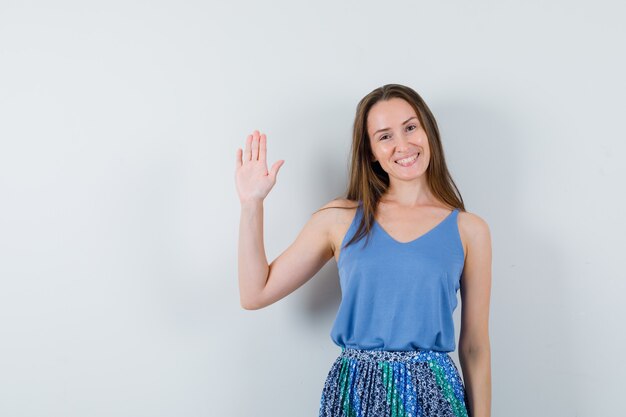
(403, 143)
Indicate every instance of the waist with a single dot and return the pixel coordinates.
(418, 355)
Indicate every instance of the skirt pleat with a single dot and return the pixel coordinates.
(378, 383)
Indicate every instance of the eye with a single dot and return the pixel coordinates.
(413, 126)
(382, 137)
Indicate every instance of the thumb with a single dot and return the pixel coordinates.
(276, 167)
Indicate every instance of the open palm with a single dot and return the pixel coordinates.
(252, 178)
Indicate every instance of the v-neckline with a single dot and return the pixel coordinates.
(418, 238)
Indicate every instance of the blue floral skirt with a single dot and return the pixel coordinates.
(379, 383)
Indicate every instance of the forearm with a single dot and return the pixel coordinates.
(252, 262)
(476, 366)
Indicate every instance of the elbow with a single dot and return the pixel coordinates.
(253, 299)
(475, 349)
(247, 304)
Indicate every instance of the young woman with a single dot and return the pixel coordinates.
(404, 246)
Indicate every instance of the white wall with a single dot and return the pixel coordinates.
(119, 123)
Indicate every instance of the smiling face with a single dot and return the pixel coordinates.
(396, 138)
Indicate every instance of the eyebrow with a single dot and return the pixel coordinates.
(387, 128)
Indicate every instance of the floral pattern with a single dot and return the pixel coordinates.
(379, 383)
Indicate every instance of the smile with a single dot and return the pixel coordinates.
(406, 162)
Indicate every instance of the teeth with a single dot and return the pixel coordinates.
(407, 160)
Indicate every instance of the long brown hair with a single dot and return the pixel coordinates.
(368, 181)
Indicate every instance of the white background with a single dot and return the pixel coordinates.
(119, 124)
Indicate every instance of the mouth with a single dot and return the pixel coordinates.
(407, 162)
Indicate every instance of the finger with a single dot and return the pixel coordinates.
(238, 161)
(263, 148)
(255, 146)
(246, 154)
(276, 167)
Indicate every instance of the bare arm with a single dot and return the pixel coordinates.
(261, 284)
(474, 345)
(252, 263)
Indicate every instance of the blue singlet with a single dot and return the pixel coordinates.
(399, 296)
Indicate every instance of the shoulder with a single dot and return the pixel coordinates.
(338, 206)
(339, 211)
(336, 217)
(473, 227)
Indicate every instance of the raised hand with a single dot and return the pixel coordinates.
(252, 178)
